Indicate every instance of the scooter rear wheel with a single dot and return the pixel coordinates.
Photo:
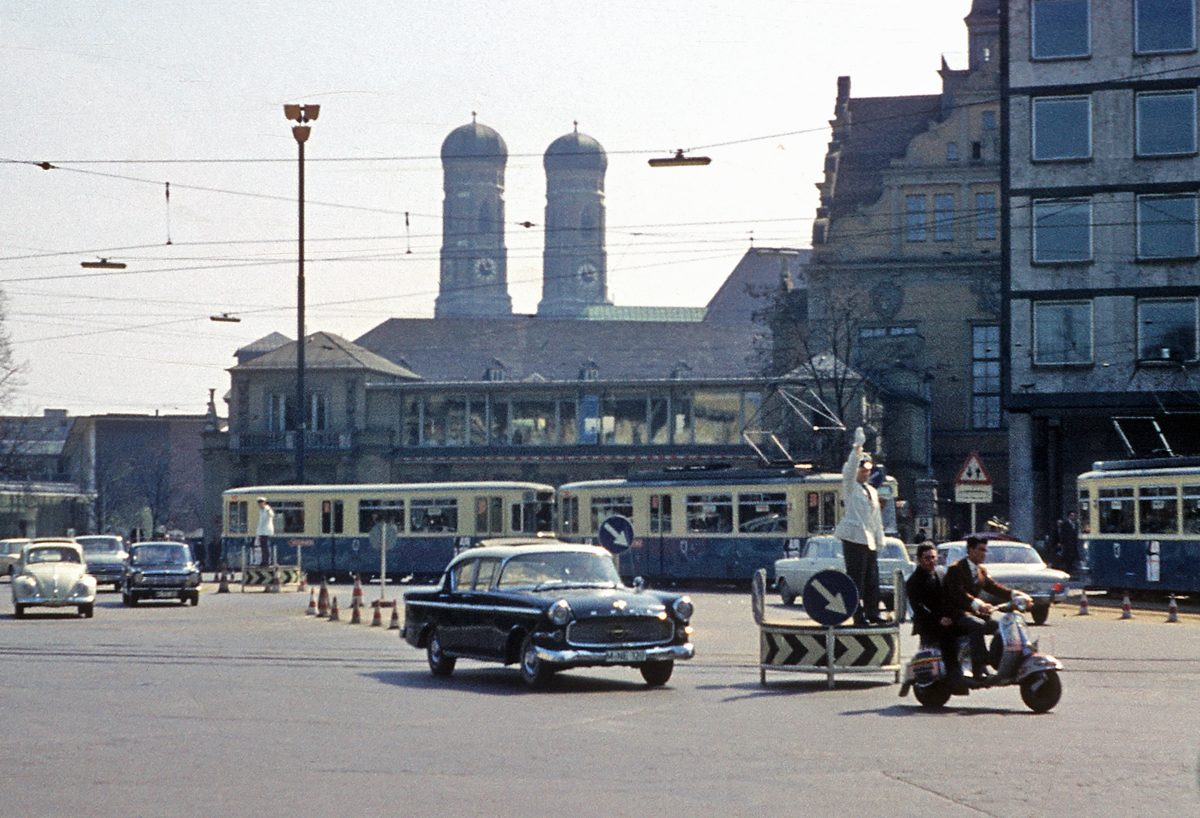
(1041, 691)
(933, 696)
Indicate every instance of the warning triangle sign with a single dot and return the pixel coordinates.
(973, 473)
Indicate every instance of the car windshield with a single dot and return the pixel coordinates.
(100, 545)
(159, 555)
(557, 570)
(52, 554)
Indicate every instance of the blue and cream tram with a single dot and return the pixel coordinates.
(1139, 524)
(712, 524)
(329, 528)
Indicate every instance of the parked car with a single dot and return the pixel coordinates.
(160, 570)
(52, 573)
(792, 573)
(105, 557)
(1016, 565)
(545, 606)
(10, 555)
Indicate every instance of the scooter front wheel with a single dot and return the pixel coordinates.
(1041, 691)
(933, 696)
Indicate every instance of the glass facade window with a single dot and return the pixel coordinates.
(1062, 128)
(943, 217)
(1166, 123)
(1062, 231)
(1059, 29)
(1158, 509)
(914, 218)
(1167, 329)
(1062, 332)
(1164, 25)
(985, 216)
(717, 417)
(1166, 226)
(623, 421)
(1115, 506)
(534, 423)
(985, 398)
(710, 513)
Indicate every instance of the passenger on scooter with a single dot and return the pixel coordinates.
(964, 582)
(931, 614)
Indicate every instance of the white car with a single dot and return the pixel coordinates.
(792, 573)
(53, 573)
(1015, 565)
(105, 556)
(10, 555)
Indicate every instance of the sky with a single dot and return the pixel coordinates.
(168, 151)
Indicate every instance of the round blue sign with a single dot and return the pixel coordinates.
(616, 534)
(830, 597)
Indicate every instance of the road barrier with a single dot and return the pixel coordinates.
(271, 577)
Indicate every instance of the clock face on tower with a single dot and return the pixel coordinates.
(587, 272)
(483, 268)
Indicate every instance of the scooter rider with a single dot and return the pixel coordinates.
(931, 614)
(964, 582)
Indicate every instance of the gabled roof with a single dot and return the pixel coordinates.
(760, 271)
(326, 351)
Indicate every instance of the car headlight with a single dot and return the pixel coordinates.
(136, 577)
(83, 588)
(24, 582)
(561, 613)
(683, 609)
(194, 578)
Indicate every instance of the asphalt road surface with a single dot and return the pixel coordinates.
(247, 706)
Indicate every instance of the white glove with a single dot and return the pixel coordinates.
(860, 437)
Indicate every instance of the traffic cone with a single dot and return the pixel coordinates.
(312, 603)
(1126, 607)
(395, 623)
(377, 616)
(323, 600)
(355, 616)
(356, 598)
(303, 581)
(333, 611)
(1083, 603)
(1173, 610)
(223, 588)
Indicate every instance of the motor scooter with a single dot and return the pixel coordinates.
(1013, 654)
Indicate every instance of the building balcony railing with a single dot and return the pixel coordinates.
(284, 441)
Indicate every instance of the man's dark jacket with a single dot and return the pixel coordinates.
(927, 597)
(963, 585)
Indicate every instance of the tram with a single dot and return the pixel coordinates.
(710, 523)
(1139, 524)
(335, 530)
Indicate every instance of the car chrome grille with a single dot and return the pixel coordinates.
(620, 630)
(167, 580)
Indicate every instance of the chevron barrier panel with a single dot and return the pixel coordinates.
(264, 576)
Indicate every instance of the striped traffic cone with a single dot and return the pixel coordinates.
(223, 588)
(312, 603)
(1083, 603)
(356, 599)
(395, 623)
(377, 616)
(1173, 610)
(333, 611)
(355, 616)
(1126, 607)
(323, 600)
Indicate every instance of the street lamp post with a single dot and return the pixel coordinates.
(301, 114)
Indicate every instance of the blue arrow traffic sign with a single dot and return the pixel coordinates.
(830, 597)
(616, 534)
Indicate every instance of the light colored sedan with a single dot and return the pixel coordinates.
(52, 573)
(792, 573)
(10, 555)
(1015, 565)
(105, 555)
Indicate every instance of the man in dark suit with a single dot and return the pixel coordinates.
(931, 616)
(965, 582)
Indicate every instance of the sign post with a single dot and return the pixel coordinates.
(973, 485)
(383, 537)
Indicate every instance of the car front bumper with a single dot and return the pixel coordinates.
(591, 657)
(54, 602)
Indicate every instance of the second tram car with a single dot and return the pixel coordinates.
(1139, 524)
(328, 529)
(710, 524)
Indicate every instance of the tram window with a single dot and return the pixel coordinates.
(434, 515)
(1191, 509)
(489, 515)
(1158, 509)
(605, 507)
(822, 511)
(289, 516)
(762, 512)
(660, 514)
(570, 515)
(1116, 511)
(371, 512)
(237, 517)
(332, 517)
(1085, 512)
(538, 511)
(710, 513)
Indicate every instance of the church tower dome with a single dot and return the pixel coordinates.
(474, 270)
(574, 263)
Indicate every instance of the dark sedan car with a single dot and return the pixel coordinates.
(546, 606)
(160, 570)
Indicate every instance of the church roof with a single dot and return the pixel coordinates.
(326, 351)
(575, 151)
(474, 141)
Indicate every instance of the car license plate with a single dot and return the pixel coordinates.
(165, 594)
(619, 656)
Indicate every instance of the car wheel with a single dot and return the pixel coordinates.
(534, 672)
(1040, 614)
(133, 600)
(19, 610)
(439, 663)
(86, 611)
(195, 598)
(656, 674)
(785, 592)
(933, 696)
(1041, 691)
